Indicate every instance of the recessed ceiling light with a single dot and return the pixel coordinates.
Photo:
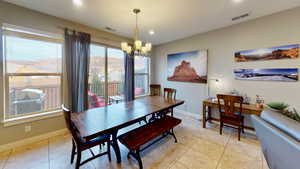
(151, 32)
(77, 2)
(237, 1)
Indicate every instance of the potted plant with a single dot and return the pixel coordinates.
(283, 108)
(277, 106)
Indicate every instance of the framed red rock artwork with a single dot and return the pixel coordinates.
(188, 66)
(274, 53)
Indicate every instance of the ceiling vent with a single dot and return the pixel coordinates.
(110, 29)
(241, 16)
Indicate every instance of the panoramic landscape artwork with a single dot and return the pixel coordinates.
(281, 52)
(188, 67)
(286, 75)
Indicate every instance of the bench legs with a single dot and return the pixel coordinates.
(136, 153)
(137, 156)
(173, 134)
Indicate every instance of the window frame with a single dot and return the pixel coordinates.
(148, 74)
(25, 33)
(106, 48)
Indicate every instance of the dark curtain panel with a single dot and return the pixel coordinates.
(77, 53)
(129, 78)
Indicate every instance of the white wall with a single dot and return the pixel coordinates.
(274, 30)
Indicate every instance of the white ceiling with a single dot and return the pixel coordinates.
(170, 19)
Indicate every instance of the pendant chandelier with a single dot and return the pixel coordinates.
(138, 48)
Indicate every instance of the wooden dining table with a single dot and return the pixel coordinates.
(110, 119)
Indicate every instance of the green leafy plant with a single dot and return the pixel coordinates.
(293, 114)
(283, 109)
(278, 106)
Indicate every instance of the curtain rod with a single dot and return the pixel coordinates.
(96, 36)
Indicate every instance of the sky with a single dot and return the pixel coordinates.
(198, 60)
(261, 52)
(19, 49)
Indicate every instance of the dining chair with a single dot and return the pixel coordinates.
(155, 89)
(230, 108)
(169, 93)
(80, 144)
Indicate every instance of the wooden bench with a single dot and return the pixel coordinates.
(138, 137)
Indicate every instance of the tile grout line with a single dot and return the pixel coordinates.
(262, 159)
(172, 163)
(219, 161)
(6, 160)
(183, 165)
(49, 153)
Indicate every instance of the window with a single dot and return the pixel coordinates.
(142, 69)
(32, 70)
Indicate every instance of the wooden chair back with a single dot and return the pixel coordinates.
(230, 102)
(169, 93)
(70, 125)
(155, 89)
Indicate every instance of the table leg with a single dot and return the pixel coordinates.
(209, 114)
(116, 146)
(204, 116)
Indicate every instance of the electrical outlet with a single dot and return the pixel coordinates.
(27, 129)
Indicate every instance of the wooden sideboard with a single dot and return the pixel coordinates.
(208, 104)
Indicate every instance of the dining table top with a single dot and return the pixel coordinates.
(94, 122)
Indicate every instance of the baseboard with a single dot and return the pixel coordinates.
(32, 139)
(192, 115)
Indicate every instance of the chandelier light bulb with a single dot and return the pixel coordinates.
(148, 46)
(124, 46)
(144, 50)
(129, 49)
(138, 44)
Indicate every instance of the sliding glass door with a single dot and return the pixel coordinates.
(106, 76)
(97, 76)
(115, 75)
(107, 72)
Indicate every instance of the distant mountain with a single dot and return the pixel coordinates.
(185, 73)
(50, 65)
(53, 65)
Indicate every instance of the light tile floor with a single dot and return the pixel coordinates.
(197, 148)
